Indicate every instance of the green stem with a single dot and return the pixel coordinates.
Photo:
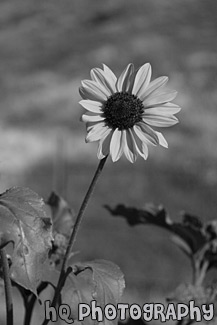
(73, 236)
(8, 287)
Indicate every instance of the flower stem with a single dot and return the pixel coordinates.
(29, 301)
(82, 210)
(8, 287)
(73, 236)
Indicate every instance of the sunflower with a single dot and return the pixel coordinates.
(122, 111)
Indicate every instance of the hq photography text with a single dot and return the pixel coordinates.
(148, 312)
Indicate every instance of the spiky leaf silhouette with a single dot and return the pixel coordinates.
(189, 234)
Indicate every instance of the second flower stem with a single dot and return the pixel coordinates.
(8, 288)
(76, 227)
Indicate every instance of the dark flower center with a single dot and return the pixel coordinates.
(123, 111)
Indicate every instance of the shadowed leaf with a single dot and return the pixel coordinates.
(62, 215)
(63, 221)
(190, 232)
(24, 223)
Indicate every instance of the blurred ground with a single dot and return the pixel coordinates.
(46, 48)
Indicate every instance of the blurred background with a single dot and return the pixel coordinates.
(46, 49)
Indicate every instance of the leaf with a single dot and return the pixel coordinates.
(211, 229)
(50, 274)
(190, 230)
(181, 244)
(25, 224)
(63, 221)
(99, 280)
(62, 215)
(150, 214)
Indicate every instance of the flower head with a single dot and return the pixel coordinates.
(121, 112)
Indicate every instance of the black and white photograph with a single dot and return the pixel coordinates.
(108, 162)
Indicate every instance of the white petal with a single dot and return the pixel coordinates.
(104, 79)
(160, 121)
(144, 151)
(164, 109)
(142, 79)
(104, 145)
(146, 133)
(123, 82)
(90, 84)
(97, 132)
(91, 118)
(141, 146)
(162, 140)
(144, 137)
(110, 73)
(154, 85)
(87, 93)
(98, 78)
(92, 106)
(159, 97)
(116, 149)
(82, 92)
(129, 146)
(90, 125)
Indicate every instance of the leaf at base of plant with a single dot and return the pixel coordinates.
(98, 280)
(25, 224)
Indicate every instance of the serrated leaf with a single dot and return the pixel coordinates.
(190, 230)
(24, 223)
(99, 280)
(149, 215)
